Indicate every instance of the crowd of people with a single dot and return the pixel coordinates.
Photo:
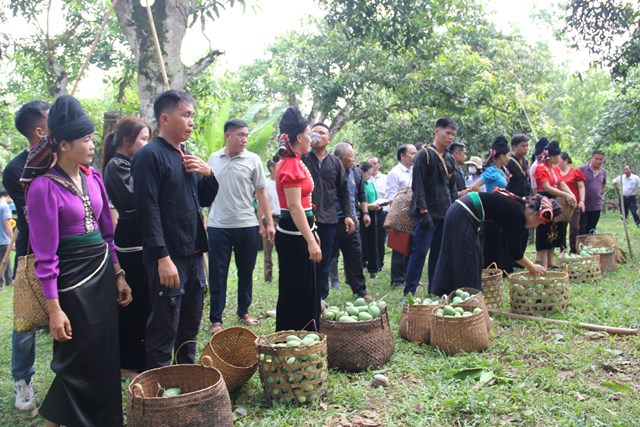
(120, 254)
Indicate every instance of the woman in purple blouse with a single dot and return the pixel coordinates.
(71, 234)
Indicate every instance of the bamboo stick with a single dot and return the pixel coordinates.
(588, 326)
(156, 42)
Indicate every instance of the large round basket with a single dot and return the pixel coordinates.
(292, 374)
(493, 286)
(359, 345)
(233, 352)
(453, 335)
(476, 300)
(204, 400)
(602, 240)
(536, 295)
(582, 269)
(415, 322)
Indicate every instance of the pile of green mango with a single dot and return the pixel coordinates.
(450, 311)
(357, 311)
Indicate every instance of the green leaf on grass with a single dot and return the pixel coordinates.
(612, 385)
(485, 377)
(517, 364)
(474, 373)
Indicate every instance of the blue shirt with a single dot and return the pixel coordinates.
(493, 178)
(5, 214)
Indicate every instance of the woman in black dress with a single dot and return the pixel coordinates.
(130, 135)
(460, 263)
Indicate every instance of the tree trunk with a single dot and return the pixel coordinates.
(171, 18)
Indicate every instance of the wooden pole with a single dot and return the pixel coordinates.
(165, 79)
(93, 46)
(7, 254)
(588, 326)
(622, 215)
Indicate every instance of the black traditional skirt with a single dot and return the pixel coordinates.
(298, 295)
(133, 318)
(551, 235)
(86, 390)
(460, 261)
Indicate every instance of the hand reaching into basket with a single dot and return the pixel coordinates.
(537, 270)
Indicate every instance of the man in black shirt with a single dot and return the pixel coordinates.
(170, 188)
(459, 153)
(433, 188)
(31, 121)
(330, 183)
(520, 181)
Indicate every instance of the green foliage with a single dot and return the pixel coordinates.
(607, 28)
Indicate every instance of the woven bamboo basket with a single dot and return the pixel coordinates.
(476, 300)
(292, 374)
(359, 345)
(608, 261)
(204, 400)
(493, 286)
(602, 240)
(536, 295)
(233, 352)
(453, 335)
(415, 322)
(583, 269)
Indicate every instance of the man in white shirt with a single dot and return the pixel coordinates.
(630, 185)
(233, 225)
(400, 177)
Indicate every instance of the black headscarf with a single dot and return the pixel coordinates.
(291, 125)
(553, 148)
(542, 142)
(500, 146)
(68, 121)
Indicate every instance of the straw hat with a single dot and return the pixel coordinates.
(474, 160)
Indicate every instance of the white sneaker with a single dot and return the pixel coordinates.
(24, 396)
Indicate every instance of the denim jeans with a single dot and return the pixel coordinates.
(423, 241)
(244, 244)
(23, 355)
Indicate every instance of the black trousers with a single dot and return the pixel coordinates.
(630, 205)
(351, 247)
(175, 312)
(398, 267)
(589, 221)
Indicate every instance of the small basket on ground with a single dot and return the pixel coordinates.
(493, 286)
(292, 374)
(603, 240)
(539, 295)
(233, 352)
(359, 345)
(608, 260)
(204, 400)
(582, 269)
(476, 300)
(415, 320)
(453, 335)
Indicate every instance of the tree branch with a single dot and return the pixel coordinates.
(202, 63)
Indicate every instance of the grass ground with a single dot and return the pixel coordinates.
(543, 374)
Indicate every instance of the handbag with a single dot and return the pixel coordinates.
(29, 307)
(399, 217)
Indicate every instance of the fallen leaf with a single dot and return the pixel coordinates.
(359, 421)
(609, 368)
(419, 408)
(559, 337)
(580, 397)
(468, 373)
(323, 406)
(563, 375)
(485, 378)
(344, 422)
(612, 385)
(595, 335)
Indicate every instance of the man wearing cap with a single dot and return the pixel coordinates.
(330, 184)
(630, 186)
(520, 182)
(596, 179)
(433, 191)
(459, 152)
(233, 225)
